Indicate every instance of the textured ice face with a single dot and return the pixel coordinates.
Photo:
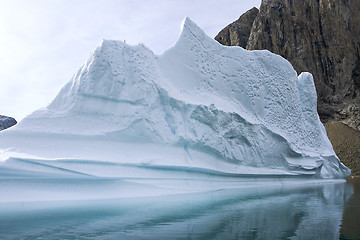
(199, 106)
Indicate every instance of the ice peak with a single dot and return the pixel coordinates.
(119, 44)
(105, 43)
(189, 29)
(189, 25)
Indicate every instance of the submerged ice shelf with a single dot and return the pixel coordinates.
(200, 111)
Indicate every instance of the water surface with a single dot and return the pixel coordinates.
(350, 227)
(311, 211)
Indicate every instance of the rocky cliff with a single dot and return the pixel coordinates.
(321, 37)
(6, 122)
(238, 32)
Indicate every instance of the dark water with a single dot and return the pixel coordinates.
(313, 211)
(350, 227)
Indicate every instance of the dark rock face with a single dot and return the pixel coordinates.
(321, 37)
(238, 32)
(6, 122)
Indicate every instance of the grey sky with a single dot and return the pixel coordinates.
(43, 42)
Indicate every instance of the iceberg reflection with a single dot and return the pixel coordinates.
(312, 211)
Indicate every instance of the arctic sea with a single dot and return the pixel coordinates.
(329, 210)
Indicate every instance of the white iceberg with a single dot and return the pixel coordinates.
(199, 111)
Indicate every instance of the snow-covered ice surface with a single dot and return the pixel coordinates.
(200, 117)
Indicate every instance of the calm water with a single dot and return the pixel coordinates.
(314, 211)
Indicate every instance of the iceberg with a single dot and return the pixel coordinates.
(143, 124)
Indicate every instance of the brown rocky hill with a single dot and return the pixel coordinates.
(321, 37)
(346, 143)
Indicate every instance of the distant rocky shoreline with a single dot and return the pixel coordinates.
(6, 122)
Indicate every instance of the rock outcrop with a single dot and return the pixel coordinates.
(321, 37)
(238, 32)
(6, 122)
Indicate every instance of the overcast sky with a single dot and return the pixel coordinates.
(43, 42)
